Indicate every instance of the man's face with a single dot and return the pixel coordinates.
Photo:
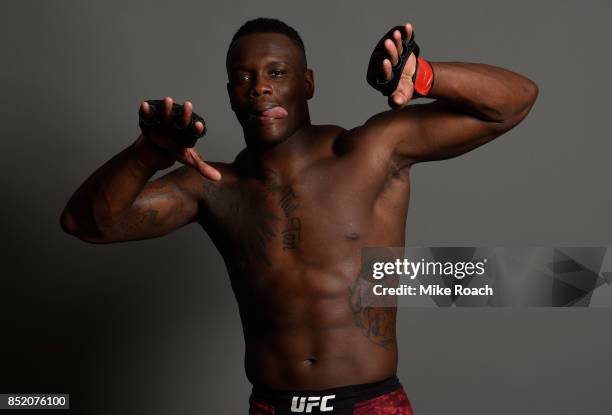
(267, 70)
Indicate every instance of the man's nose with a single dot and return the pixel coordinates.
(260, 86)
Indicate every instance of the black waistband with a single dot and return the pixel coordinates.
(355, 393)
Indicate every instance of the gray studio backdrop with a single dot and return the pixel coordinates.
(152, 326)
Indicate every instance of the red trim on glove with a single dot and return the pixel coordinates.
(424, 78)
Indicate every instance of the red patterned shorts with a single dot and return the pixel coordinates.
(386, 397)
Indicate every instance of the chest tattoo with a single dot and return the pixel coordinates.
(291, 232)
(288, 203)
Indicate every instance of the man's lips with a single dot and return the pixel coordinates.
(269, 115)
(274, 112)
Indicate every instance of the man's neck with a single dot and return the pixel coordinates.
(282, 161)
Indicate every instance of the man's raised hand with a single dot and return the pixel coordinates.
(172, 130)
(405, 88)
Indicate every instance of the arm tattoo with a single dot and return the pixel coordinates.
(144, 216)
(131, 224)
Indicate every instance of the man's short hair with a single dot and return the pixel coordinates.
(267, 25)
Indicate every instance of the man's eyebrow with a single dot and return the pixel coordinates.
(244, 68)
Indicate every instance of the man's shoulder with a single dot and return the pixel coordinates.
(350, 140)
(380, 133)
(329, 128)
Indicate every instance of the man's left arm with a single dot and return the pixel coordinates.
(474, 103)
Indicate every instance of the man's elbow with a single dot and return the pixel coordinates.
(70, 225)
(524, 98)
(530, 93)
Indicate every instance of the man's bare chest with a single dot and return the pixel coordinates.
(315, 218)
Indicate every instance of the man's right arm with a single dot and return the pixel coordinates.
(118, 203)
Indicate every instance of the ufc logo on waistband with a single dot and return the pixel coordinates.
(305, 404)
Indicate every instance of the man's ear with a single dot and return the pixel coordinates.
(310, 86)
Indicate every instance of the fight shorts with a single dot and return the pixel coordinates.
(386, 397)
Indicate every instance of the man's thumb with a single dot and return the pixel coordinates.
(193, 159)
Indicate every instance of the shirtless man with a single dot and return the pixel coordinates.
(291, 213)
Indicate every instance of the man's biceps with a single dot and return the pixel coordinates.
(153, 218)
(466, 135)
(166, 201)
(188, 182)
(417, 146)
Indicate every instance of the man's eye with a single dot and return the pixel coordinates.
(241, 78)
(278, 72)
